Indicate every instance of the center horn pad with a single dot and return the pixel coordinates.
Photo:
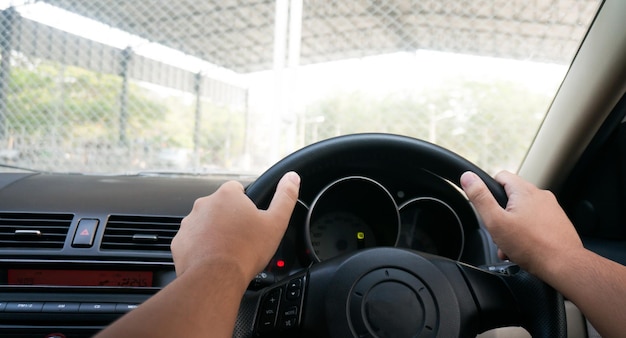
(391, 302)
(390, 292)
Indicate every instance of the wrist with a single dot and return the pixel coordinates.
(221, 268)
(562, 266)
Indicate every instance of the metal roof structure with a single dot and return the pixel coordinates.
(242, 35)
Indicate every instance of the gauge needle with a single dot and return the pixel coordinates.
(360, 240)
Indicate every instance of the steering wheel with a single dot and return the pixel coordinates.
(391, 292)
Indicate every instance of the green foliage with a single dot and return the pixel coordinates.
(72, 118)
(74, 114)
(51, 98)
(490, 123)
(221, 135)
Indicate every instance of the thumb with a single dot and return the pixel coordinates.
(480, 196)
(285, 197)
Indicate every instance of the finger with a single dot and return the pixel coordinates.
(505, 177)
(502, 255)
(511, 182)
(480, 196)
(285, 197)
(232, 186)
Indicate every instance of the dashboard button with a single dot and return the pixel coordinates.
(60, 307)
(272, 300)
(291, 312)
(24, 307)
(269, 310)
(2, 306)
(123, 308)
(266, 324)
(85, 232)
(288, 323)
(263, 279)
(293, 294)
(97, 307)
(294, 284)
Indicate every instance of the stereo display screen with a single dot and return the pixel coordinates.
(79, 277)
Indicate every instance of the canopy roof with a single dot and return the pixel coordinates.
(240, 35)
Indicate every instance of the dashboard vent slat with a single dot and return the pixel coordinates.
(152, 233)
(33, 230)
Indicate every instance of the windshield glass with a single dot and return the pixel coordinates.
(232, 86)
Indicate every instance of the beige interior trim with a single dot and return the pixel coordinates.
(591, 88)
(576, 326)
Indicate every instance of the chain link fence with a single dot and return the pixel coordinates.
(231, 86)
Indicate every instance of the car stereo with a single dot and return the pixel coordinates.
(73, 298)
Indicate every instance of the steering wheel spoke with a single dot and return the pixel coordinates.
(279, 307)
(510, 296)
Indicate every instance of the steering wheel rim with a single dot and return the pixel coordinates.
(428, 156)
(498, 300)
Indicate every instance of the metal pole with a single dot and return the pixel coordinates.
(7, 21)
(125, 59)
(293, 62)
(280, 48)
(197, 88)
(246, 134)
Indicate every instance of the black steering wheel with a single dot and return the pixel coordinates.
(391, 292)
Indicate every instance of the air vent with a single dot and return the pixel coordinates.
(34, 230)
(140, 232)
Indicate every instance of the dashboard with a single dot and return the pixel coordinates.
(77, 251)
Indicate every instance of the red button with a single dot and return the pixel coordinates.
(85, 232)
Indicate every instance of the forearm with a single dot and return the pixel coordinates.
(202, 302)
(596, 285)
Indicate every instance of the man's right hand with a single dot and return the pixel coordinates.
(533, 231)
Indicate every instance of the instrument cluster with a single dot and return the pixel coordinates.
(358, 212)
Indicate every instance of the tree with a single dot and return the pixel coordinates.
(49, 98)
(490, 123)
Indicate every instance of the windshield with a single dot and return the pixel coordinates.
(231, 86)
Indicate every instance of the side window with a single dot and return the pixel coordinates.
(594, 195)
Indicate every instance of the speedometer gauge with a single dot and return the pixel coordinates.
(340, 232)
(351, 213)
